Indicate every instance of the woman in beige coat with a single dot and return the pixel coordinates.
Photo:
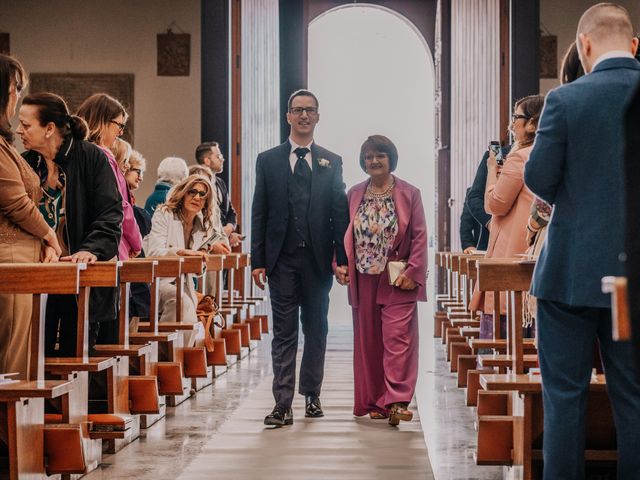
(508, 201)
(22, 227)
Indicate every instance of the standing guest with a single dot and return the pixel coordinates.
(508, 201)
(182, 226)
(22, 228)
(299, 217)
(576, 166)
(121, 151)
(171, 171)
(387, 225)
(470, 229)
(76, 171)
(107, 119)
(140, 299)
(209, 154)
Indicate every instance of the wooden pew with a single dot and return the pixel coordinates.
(22, 402)
(621, 319)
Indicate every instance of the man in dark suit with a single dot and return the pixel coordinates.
(209, 154)
(576, 165)
(299, 217)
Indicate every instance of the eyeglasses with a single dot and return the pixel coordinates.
(516, 116)
(137, 171)
(297, 111)
(194, 191)
(121, 126)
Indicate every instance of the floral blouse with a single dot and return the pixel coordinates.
(375, 227)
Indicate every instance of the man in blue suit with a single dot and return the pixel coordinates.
(299, 218)
(576, 165)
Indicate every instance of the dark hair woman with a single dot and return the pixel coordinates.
(107, 119)
(22, 228)
(81, 203)
(387, 230)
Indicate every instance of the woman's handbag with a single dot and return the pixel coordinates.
(208, 312)
(396, 269)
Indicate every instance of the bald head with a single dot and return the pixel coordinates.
(603, 28)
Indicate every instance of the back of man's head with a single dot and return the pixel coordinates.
(203, 150)
(606, 23)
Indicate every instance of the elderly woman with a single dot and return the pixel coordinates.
(508, 201)
(386, 245)
(171, 171)
(182, 226)
(74, 174)
(121, 151)
(22, 228)
(107, 119)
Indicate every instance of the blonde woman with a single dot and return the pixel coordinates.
(182, 226)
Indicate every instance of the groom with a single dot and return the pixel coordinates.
(299, 217)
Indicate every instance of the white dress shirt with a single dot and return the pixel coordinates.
(293, 158)
(611, 54)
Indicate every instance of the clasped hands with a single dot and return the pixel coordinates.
(402, 282)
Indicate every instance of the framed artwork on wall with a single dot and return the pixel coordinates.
(548, 56)
(174, 54)
(76, 87)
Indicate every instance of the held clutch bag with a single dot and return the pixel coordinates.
(395, 270)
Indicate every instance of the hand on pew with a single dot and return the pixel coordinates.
(80, 257)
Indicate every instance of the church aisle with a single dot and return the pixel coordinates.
(219, 432)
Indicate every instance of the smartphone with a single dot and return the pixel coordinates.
(494, 146)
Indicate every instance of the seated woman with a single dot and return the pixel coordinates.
(182, 226)
(387, 227)
(508, 201)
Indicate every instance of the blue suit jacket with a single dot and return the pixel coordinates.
(576, 165)
(328, 214)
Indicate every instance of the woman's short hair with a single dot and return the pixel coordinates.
(202, 170)
(99, 110)
(175, 197)
(571, 68)
(11, 70)
(379, 143)
(136, 160)
(532, 108)
(122, 152)
(52, 108)
(172, 170)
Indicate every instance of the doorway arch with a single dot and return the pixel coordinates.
(373, 73)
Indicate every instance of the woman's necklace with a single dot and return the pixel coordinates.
(385, 193)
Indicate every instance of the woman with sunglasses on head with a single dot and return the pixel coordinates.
(107, 119)
(182, 226)
(508, 201)
(80, 202)
(22, 228)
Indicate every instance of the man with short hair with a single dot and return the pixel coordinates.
(576, 165)
(209, 154)
(299, 218)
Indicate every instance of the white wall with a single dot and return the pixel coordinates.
(118, 36)
(561, 19)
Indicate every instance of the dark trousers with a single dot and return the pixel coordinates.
(299, 293)
(566, 342)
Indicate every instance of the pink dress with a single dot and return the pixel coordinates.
(131, 239)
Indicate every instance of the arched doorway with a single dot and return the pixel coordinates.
(373, 73)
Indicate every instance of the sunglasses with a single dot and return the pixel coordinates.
(200, 193)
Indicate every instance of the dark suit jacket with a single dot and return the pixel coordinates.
(470, 229)
(576, 165)
(328, 210)
(632, 241)
(227, 212)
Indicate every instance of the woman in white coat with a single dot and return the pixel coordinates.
(183, 226)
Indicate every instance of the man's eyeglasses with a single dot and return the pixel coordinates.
(137, 171)
(297, 111)
(121, 126)
(194, 191)
(516, 116)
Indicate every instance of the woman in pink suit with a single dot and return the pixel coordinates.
(387, 225)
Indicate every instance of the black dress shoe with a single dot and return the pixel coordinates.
(312, 407)
(279, 416)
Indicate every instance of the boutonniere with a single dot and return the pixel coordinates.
(324, 163)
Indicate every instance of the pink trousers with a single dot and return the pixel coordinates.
(385, 353)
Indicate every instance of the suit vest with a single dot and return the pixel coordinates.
(299, 199)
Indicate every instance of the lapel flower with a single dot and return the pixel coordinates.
(324, 163)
